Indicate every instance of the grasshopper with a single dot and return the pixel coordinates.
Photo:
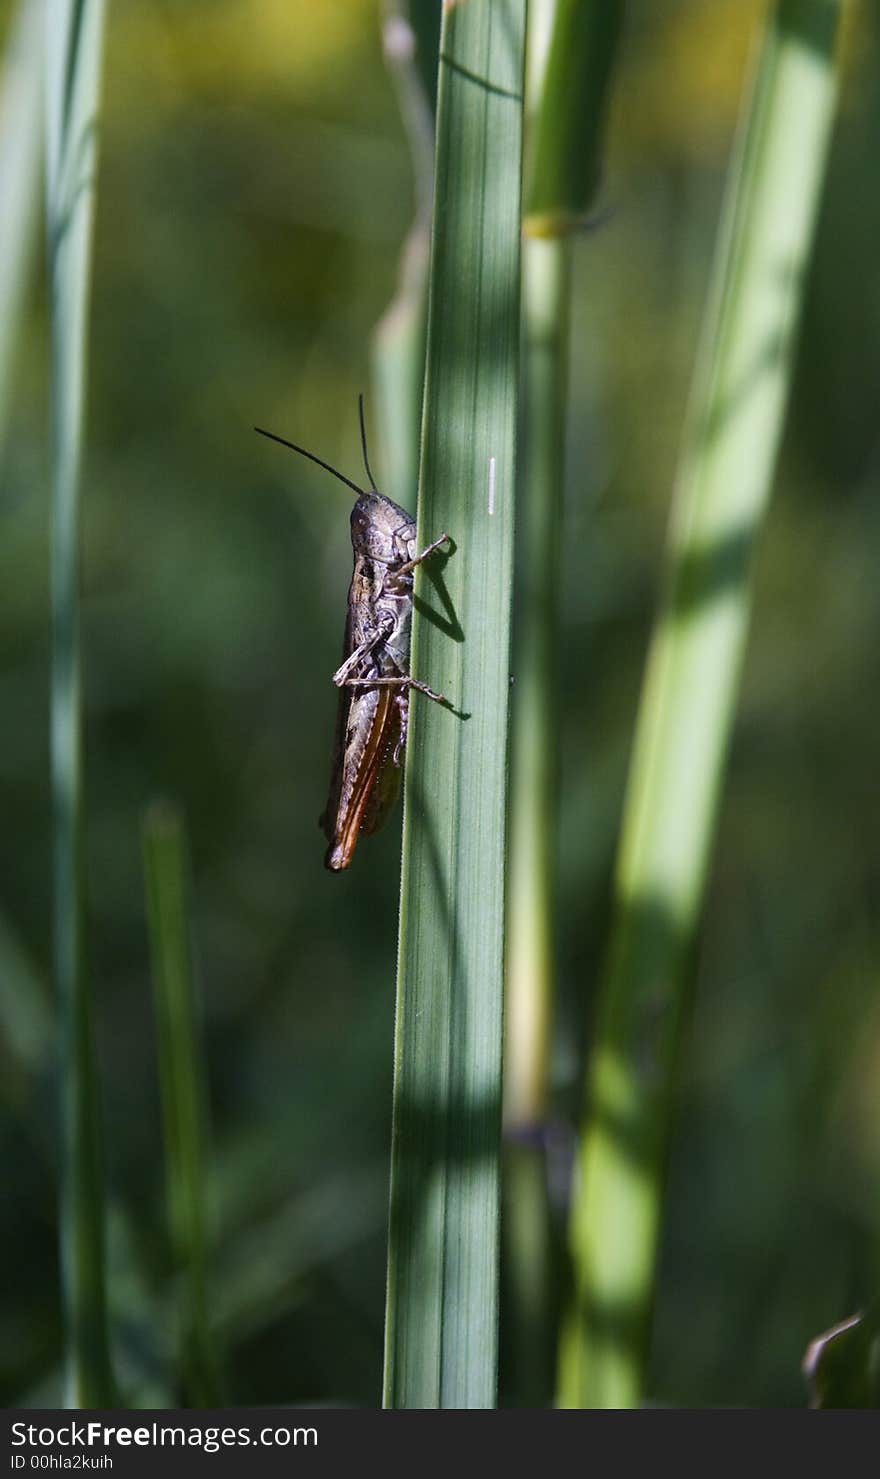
(373, 679)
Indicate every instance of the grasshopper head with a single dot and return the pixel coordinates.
(381, 529)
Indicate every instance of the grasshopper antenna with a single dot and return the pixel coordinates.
(312, 458)
(364, 443)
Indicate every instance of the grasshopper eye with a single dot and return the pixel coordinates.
(360, 525)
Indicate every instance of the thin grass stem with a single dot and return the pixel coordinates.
(182, 1083)
(572, 50)
(74, 37)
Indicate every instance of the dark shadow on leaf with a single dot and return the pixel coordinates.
(481, 82)
(706, 574)
(463, 714)
(81, 173)
(433, 571)
(812, 22)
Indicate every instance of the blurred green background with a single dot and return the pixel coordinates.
(255, 188)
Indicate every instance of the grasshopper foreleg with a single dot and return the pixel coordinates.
(417, 559)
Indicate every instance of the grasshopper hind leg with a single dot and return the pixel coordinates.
(402, 682)
(402, 702)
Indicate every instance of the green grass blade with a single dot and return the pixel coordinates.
(533, 790)
(21, 144)
(529, 1311)
(564, 171)
(73, 37)
(531, 904)
(568, 138)
(689, 696)
(398, 355)
(442, 1312)
(183, 1094)
(570, 122)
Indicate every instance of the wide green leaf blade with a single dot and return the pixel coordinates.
(442, 1313)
